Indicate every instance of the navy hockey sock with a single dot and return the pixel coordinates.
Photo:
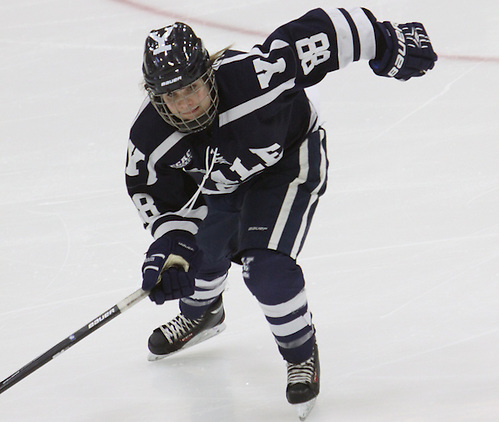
(207, 290)
(278, 284)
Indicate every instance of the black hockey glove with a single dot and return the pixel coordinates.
(170, 267)
(408, 51)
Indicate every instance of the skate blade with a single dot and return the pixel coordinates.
(304, 409)
(205, 335)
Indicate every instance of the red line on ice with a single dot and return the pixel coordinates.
(245, 31)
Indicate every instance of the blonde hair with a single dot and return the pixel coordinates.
(215, 56)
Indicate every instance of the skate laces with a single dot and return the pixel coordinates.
(301, 373)
(178, 328)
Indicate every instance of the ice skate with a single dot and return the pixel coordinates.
(182, 332)
(304, 384)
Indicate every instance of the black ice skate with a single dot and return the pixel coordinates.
(304, 384)
(181, 332)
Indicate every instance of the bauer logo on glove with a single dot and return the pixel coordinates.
(405, 52)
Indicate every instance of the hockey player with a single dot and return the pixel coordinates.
(227, 161)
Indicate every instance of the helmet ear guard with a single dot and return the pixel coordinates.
(174, 58)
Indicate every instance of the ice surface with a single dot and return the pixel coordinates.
(402, 262)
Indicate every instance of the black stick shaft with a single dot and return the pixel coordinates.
(74, 338)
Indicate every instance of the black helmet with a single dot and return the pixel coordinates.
(174, 57)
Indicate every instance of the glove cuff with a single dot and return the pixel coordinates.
(386, 53)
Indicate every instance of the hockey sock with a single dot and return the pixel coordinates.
(206, 292)
(277, 283)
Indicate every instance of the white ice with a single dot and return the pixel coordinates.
(402, 261)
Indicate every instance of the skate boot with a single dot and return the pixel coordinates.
(182, 332)
(303, 384)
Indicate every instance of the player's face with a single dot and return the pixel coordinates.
(190, 102)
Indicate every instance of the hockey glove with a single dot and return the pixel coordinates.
(408, 51)
(170, 267)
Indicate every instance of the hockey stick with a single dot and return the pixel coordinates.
(74, 338)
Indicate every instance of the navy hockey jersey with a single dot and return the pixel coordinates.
(263, 113)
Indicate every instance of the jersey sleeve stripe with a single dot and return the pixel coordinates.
(180, 220)
(355, 35)
(344, 38)
(164, 228)
(366, 33)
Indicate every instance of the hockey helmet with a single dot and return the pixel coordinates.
(175, 58)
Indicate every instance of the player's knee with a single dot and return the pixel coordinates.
(271, 276)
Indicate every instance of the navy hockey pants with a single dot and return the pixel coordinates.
(263, 226)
